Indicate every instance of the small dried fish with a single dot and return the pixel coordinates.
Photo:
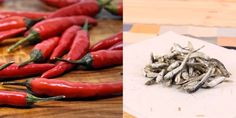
(214, 81)
(173, 65)
(157, 65)
(156, 79)
(151, 82)
(221, 66)
(186, 68)
(200, 83)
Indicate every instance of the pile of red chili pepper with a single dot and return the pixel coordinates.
(61, 44)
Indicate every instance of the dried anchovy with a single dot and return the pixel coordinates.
(186, 68)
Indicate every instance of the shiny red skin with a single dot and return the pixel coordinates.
(84, 7)
(106, 58)
(54, 27)
(60, 3)
(11, 33)
(13, 71)
(30, 15)
(78, 49)
(12, 23)
(120, 8)
(108, 42)
(13, 98)
(46, 47)
(65, 42)
(55, 87)
(117, 46)
(79, 46)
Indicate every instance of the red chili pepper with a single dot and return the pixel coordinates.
(30, 15)
(52, 27)
(108, 42)
(16, 22)
(78, 49)
(22, 99)
(65, 42)
(11, 33)
(117, 46)
(84, 7)
(54, 87)
(99, 59)
(13, 71)
(42, 51)
(115, 7)
(60, 3)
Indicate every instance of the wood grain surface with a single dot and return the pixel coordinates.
(93, 108)
(181, 12)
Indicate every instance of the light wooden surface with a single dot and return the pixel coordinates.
(100, 108)
(181, 12)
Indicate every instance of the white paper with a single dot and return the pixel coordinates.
(158, 101)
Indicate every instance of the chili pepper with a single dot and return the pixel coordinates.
(52, 27)
(99, 59)
(60, 3)
(115, 7)
(117, 46)
(55, 87)
(11, 33)
(3, 66)
(16, 22)
(42, 51)
(13, 71)
(22, 99)
(30, 15)
(78, 49)
(65, 42)
(84, 7)
(108, 42)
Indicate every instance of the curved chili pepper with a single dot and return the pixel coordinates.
(11, 33)
(13, 71)
(115, 7)
(84, 7)
(42, 51)
(65, 42)
(22, 99)
(30, 15)
(52, 27)
(117, 46)
(78, 49)
(15, 22)
(99, 59)
(60, 3)
(54, 87)
(108, 42)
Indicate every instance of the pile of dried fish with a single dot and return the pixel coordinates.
(186, 68)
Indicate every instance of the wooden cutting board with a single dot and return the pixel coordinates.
(103, 108)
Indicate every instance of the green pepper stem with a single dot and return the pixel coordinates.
(112, 8)
(31, 37)
(6, 65)
(31, 99)
(27, 62)
(70, 61)
(103, 2)
(15, 83)
(86, 25)
(30, 22)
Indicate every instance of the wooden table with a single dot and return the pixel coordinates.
(181, 12)
(100, 108)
